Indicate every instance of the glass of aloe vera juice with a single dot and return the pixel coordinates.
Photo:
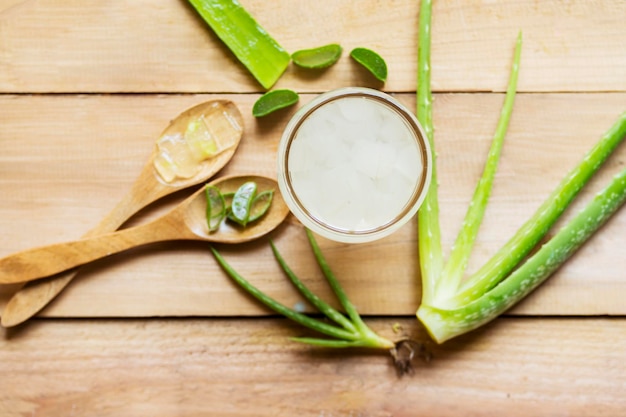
(354, 165)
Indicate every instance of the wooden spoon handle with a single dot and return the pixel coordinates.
(49, 260)
(35, 295)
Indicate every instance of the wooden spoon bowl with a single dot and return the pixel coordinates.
(193, 212)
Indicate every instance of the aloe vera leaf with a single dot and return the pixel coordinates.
(252, 45)
(429, 229)
(365, 332)
(331, 343)
(299, 318)
(320, 304)
(462, 249)
(444, 324)
(332, 281)
(527, 237)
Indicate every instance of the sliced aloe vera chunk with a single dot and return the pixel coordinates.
(242, 202)
(215, 208)
(372, 61)
(252, 45)
(317, 58)
(274, 100)
(260, 205)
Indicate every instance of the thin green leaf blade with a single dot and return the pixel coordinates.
(429, 229)
(331, 343)
(527, 237)
(299, 318)
(320, 304)
(333, 282)
(367, 337)
(461, 251)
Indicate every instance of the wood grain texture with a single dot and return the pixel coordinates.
(228, 368)
(69, 154)
(148, 46)
(66, 160)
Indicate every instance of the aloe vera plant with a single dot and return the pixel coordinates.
(343, 329)
(348, 329)
(452, 306)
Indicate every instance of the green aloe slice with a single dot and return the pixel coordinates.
(372, 61)
(260, 205)
(317, 58)
(274, 100)
(215, 208)
(242, 201)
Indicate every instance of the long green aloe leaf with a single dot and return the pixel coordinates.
(369, 337)
(461, 251)
(444, 324)
(450, 307)
(320, 304)
(527, 237)
(252, 45)
(353, 333)
(429, 230)
(300, 318)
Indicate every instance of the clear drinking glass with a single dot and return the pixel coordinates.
(354, 165)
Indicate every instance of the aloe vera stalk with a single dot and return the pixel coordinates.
(320, 304)
(291, 314)
(353, 331)
(252, 45)
(450, 308)
(527, 237)
(459, 256)
(429, 230)
(443, 324)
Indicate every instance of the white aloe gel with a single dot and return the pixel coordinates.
(354, 166)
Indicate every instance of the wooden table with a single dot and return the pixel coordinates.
(86, 88)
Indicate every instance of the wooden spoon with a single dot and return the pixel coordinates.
(187, 221)
(227, 124)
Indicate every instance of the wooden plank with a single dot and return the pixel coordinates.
(147, 46)
(224, 367)
(66, 160)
